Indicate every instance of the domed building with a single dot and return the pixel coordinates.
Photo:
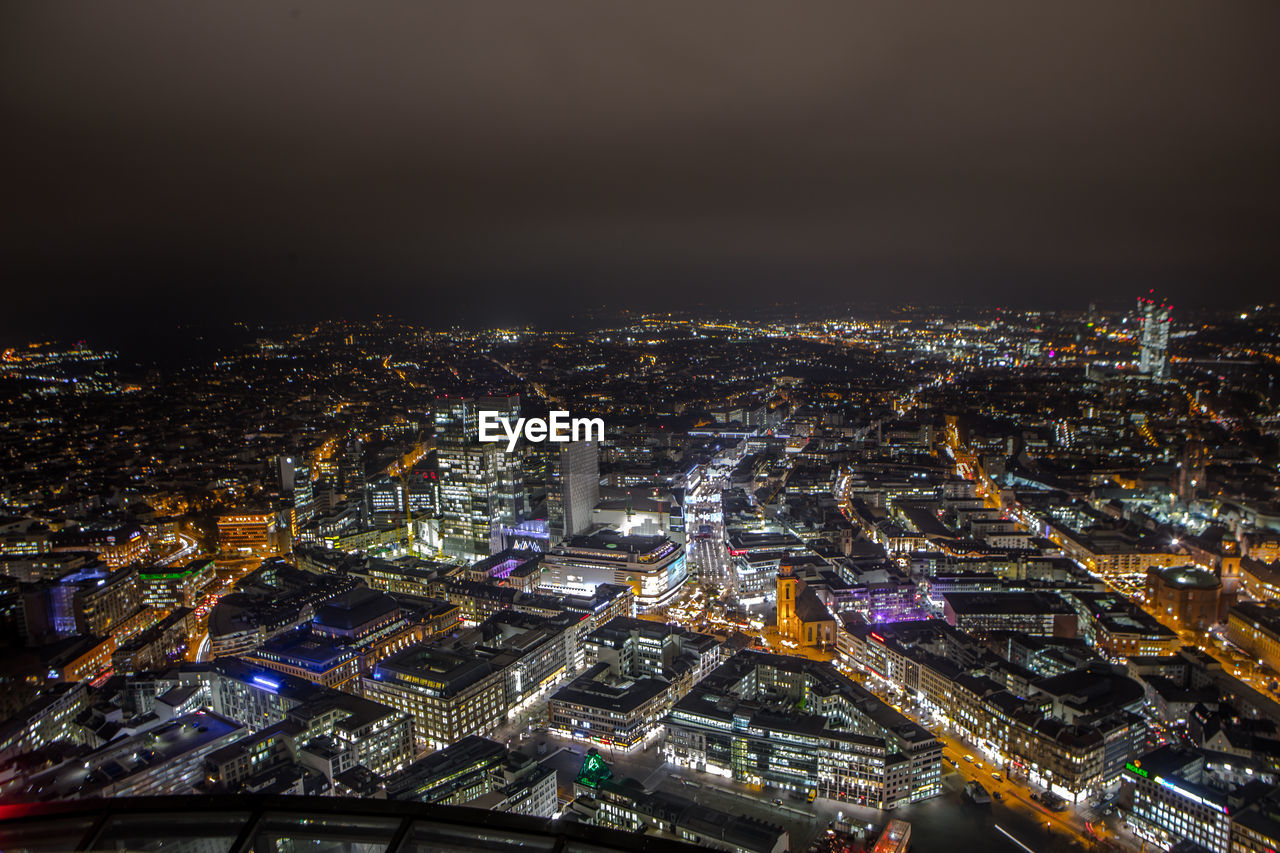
(1186, 595)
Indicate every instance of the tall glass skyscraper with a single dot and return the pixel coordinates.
(1153, 358)
(294, 477)
(481, 485)
(575, 489)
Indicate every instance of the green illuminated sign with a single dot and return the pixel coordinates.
(594, 770)
(165, 577)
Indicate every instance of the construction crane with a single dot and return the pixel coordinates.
(782, 484)
(406, 540)
(401, 470)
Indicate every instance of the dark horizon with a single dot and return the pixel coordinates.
(460, 165)
(159, 340)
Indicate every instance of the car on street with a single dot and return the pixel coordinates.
(1054, 802)
(777, 802)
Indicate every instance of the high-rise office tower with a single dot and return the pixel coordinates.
(286, 472)
(513, 500)
(1153, 359)
(575, 489)
(541, 464)
(304, 502)
(481, 484)
(423, 483)
(351, 466)
(295, 480)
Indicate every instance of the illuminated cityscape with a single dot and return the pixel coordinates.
(819, 573)
(580, 427)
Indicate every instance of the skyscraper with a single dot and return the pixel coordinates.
(351, 466)
(286, 469)
(575, 489)
(513, 501)
(304, 502)
(481, 485)
(1154, 330)
(295, 480)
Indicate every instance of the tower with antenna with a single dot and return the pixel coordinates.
(1153, 325)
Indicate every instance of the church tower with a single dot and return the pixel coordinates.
(788, 589)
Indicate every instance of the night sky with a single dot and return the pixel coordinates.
(481, 162)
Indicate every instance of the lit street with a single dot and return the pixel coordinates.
(870, 413)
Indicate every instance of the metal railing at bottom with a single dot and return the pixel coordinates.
(288, 824)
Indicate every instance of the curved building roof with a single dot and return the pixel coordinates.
(1189, 577)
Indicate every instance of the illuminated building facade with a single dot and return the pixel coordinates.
(518, 569)
(1255, 628)
(637, 648)
(476, 602)
(1171, 804)
(1260, 581)
(636, 670)
(157, 646)
(355, 614)
(1120, 629)
(481, 774)
(615, 714)
(448, 695)
(1186, 594)
(248, 533)
(295, 480)
(312, 659)
(351, 466)
(373, 626)
(50, 717)
(373, 734)
(800, 725)
(452, 776)
(116, 545)
(1034, 613)
(19, 541)
(168, 759)
(481, 485)
(1257, 830)
(175, 586)
(757, 558)
(1153, 358)
(88, 658)
(574, 489)
(93, 602)
(1068, 749)
(652, 566)
(386, 496)
(802, 617)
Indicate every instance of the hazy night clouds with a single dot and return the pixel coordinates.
(441, 159)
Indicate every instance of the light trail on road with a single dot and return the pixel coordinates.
(1000, 829)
